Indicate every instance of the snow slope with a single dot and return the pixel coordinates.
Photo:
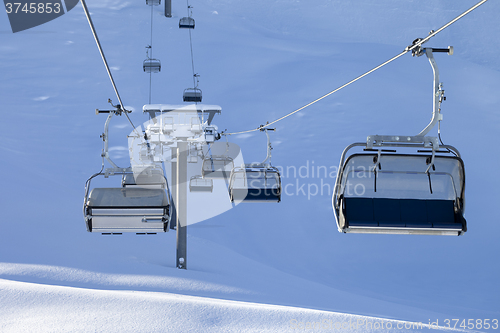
(70, 309)
(254, 267)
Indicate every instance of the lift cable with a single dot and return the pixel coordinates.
(417, 43)
(120, 107)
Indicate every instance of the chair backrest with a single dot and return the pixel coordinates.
(402, 177)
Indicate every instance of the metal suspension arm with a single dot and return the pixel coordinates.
(269, 147)
(437, 90)
(104, 137)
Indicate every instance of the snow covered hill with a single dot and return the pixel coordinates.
(258, 267)
(70, 309)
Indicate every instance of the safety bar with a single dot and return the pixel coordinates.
(335, 201)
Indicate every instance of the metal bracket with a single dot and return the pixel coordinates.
(402, 141)
(112, 171)
(117, 111)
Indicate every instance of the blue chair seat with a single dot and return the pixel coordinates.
(401, 213)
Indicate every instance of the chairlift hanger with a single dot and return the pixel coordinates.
(150, 64)
(139, 205)
(382, 190)
(256, 182)
(104, 136)
(187, 22)
(193, 95)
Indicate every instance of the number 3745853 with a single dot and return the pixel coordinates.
(33, 8)
(472, 323)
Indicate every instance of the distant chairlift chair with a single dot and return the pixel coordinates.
(381, 190)
(192, 95)
(151, 65)
(186, 23)
(257, 182)
(199, 184)
(217, 166)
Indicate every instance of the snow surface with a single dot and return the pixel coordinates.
(256, 267)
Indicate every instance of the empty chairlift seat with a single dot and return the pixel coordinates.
(199, 184)
(192, 95)
(217, 167)
(151, 65)
(255, 183)
(397, 193)
(186, 23)
(141, 205)
(118, 210)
